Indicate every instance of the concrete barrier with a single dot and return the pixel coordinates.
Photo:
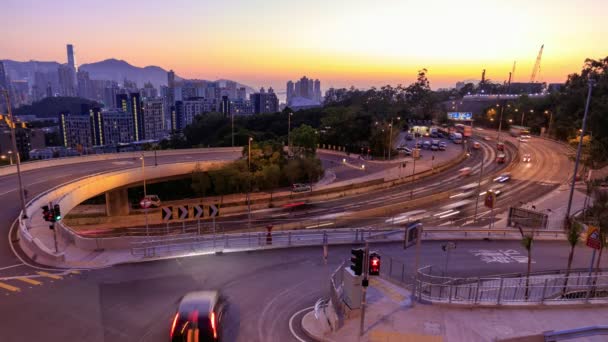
(39, 164)
(71, 194)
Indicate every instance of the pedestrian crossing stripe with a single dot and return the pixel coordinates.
(29, 281)
(9, 287)
(49, 275)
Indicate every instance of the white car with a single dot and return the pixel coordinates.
(505, 177)
(527, 158)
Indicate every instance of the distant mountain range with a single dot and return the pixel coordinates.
(109, 69)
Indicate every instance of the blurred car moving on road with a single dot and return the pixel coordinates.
(527, 158)
(298, 187)
(199, 317)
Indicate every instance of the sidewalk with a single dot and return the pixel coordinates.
(554, 204)
(388, 319)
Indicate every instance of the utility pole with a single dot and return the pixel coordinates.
(390, 139)
(478, 192)
(591, 82)
(232, 123)
(17, 154)
(413, 170)
(364, 285)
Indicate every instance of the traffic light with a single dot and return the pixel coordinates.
(356, 260)
(46, 213)
(374, 264)
(56, 213)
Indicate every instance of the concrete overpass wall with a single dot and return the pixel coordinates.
(71, 194)
(40, 164)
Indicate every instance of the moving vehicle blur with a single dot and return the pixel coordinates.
(199, 317)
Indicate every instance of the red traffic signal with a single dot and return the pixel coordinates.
(374, 263)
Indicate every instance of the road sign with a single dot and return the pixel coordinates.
(167, 213)
(182, 212)
(197, 211)
(145, 203)
(412, 231)
(490, 200)
(527, 218)
(593, 238)
(213, 210)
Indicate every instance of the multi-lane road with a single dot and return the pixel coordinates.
(135, 302)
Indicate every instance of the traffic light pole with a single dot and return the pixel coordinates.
(51, 208)
(364, 290)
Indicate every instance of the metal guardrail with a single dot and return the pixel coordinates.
(184, 244)
(335, 295)
(563, 335)
(540, 288)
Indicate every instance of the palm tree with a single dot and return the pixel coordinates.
(526, 242)
(574, 234)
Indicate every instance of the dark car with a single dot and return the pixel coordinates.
(199, 313)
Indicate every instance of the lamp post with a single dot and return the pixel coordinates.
(232, 124)
(18, 158)
(249, 187)
(550, 120)
(143, 172)
(288, 131)
(578, 151)
(390, 137)
(10, 156)
(523, 115)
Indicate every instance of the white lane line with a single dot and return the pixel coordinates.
(293, 332)
(12, 266)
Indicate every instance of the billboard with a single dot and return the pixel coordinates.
(460, 116)
(527, 218)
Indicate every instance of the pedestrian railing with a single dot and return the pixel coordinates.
(544, 288)
(335, 296)
(184, 244)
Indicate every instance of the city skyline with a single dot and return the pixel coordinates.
(341, 43)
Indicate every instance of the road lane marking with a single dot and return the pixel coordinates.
(293, 332)
(12, 266)
(29, 281)
(49, 275)
(9, 287)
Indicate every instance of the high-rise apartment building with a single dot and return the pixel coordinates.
(265, 102)
(241, 93)
(84, 85)
(317, 91)
(75, 130)
(66, 80)
(290, 91)
(137, 114)
(154, 119)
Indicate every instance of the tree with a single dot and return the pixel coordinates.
(201, 182)
(574, 233)
(272, 177)
(304, 140)
(293, 171)
(526, 241)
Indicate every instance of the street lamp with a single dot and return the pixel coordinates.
(143, 172)
(10, 155)
(550, 121)
(288, 131)
(249, 187)
(523, 115)
(578, 152)
(14, 143)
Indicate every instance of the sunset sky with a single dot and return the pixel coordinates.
(342, 42)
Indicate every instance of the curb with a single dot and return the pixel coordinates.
(308, 331)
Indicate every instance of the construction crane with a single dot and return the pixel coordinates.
(513, 70)
(536, 69)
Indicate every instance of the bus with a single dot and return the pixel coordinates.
(465, 130)
(517, 131)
